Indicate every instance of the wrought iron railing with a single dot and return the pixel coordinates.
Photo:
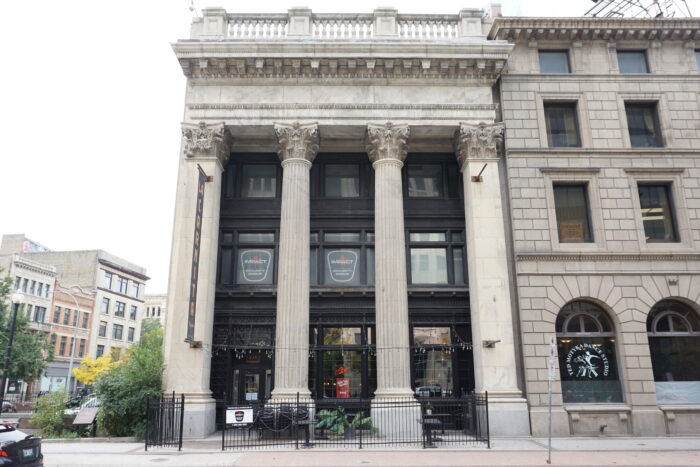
(165, 421)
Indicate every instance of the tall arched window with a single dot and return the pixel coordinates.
(674, 342)
(587, 357)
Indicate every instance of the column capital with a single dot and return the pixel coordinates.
(388, 141)
(297, 141)
(480, 141)
(207, 141)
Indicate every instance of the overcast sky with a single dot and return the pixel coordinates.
(91, 100)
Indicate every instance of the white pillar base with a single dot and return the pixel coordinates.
(397, 418)
(199, 420)
(508, 416)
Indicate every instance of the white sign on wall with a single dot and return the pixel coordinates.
(239, 415)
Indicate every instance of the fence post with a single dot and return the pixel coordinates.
(488, 431)
(295, 420)
(148, 416)
(362, 413)
(182, 418)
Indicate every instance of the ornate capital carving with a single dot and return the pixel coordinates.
(297, 141)
(207, 140)
(387, 142)
(480, 141)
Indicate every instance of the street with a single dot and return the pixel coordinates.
(504, 452)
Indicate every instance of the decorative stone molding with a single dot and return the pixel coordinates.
(297, 141)
(387, 141)
(576, 257)
(480, 141)
(342, 106)
(207, 140)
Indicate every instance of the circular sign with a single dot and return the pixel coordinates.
(586, 361)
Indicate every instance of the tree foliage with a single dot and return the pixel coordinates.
(149, 324)
(49, 414)
(90, 368)
(30, 350)
(124, 389)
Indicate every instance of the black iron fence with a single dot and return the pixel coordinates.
(164, 421)
(24, 402)
(356, 423)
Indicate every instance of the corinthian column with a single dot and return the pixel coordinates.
(477, 150)
(387, 149)
(189, 363)
(297, 149)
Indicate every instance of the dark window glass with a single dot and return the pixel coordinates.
(370, 266)
(427, 236)
(571, 205)
(57, 315)
(258, 181)
(342, 336)
(342, 237)
(643, 125)
(342, 266)
(117, 331)
(62, 348)
(119, 309)
(107, 280)
(100, 351)
(132, 312)
(105, 305)
(130, 334)
(429, 266)
(255, 266)
(342, 181)
(313, 266)
(342, 373)
(431, 335)
(66, 316)
(433, 373)
(587, 355)
(85, 319)
(458, 261)
(264, 237)
(103, 329)
(562, 125)
(135, 286)
(632, 61)
(554, 61)
(657, 213)
(81, 348)
(425, 181)
(123, 284)
(674, 343)
(260, 336)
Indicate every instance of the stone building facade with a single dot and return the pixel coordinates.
(156, 307)
(343, 203)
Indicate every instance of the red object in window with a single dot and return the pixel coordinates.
(341, 370)
(342, 388)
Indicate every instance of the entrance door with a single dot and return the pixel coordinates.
(252, 384)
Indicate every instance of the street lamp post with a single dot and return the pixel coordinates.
(75, 329)
(17, 298)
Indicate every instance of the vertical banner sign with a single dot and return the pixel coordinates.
(199, 211)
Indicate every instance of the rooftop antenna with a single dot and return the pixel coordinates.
(639, 9)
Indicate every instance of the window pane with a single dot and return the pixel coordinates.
(255, 266)
(313, 266)
(256, 237)
(342, 181)
(370, 266)
(656, 213)
(562, 128)
(341, 267)
(425, 181)
(554, 61)
(677, 375)
(456, 237)
(632, 61)
(226, 265)
(370, 237)
(426, 237)
(313, 237)
(428, 266)
(458, 261)
(431, 336)
(342, 336)
(259, 181)
(642, 125)
(588, 368)
(260, 336)
(342, 237)
(571, 205)
(342, 374)
(433, 373)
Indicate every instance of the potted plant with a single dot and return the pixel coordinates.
(336, 421)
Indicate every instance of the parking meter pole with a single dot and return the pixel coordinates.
(8, 356)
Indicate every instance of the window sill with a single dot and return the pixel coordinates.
(679, 407)
(598, 407)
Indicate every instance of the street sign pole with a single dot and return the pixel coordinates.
(552, 373)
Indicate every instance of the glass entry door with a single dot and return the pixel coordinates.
(251, 385)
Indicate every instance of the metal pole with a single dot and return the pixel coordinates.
(549, 443)
(75, 337)
(8, 356)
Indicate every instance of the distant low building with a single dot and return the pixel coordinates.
(156, 306)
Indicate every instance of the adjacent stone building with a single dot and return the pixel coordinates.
(344, 204)
(156, 307)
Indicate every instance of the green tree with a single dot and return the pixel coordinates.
(149, 324)
(125, 389)
(30, 350)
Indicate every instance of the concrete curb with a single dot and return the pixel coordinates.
(125, 439)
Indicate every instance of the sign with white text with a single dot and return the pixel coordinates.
(239, 415)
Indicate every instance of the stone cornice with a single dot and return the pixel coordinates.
(577, 257)
(204, 139)
(480, 141)
(341, 106)
(387, 142)
(297, 141)
(637, 153)
(576, 29)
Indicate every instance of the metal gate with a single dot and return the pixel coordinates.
(359, 423)
(164, 421)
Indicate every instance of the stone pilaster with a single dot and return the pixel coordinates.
(297, 149)
(188, 368)
(387, 148)
(477, 150)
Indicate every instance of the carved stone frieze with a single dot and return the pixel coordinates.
(387, 141)
(297, 141)
(207, 140)
(480, 141)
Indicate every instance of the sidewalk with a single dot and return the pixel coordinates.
(504, 452)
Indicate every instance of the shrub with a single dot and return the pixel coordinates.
(124, 390)
(49, 414)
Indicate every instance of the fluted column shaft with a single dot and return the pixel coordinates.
(297, 148)
(387, 150)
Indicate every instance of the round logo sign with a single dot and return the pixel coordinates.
(587, 361)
